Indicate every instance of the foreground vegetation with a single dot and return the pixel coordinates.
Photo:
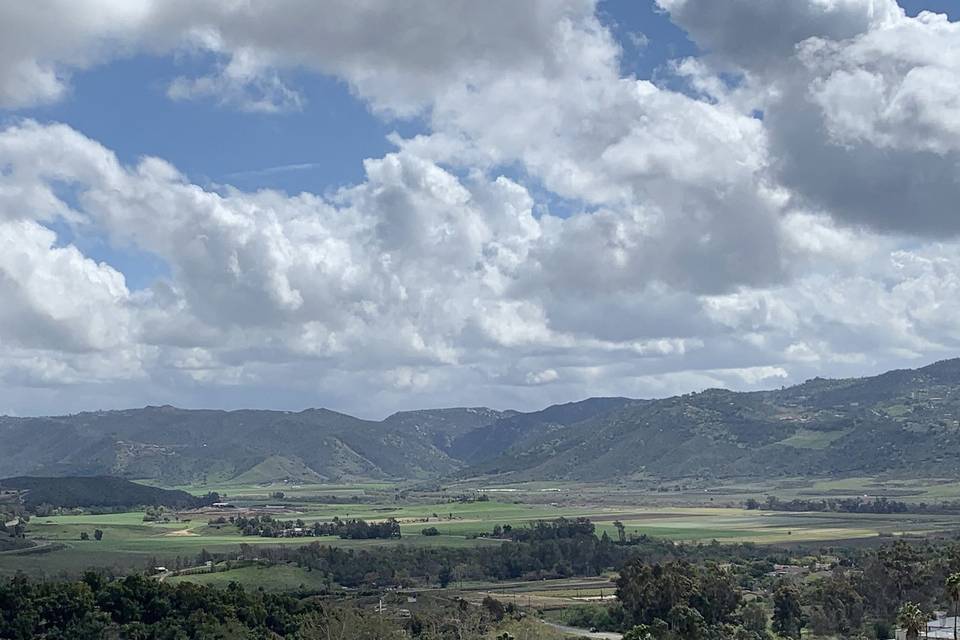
(95, 608)
(575, 554)
(663, 592)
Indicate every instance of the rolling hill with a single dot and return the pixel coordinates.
(177, 446)
(100, 491)
(903, 422)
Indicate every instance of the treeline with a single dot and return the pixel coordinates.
(266, 526)
(866, 595)
(556, 549)
(544, 530)
(137, 607)
(848, 505)
(413, 566)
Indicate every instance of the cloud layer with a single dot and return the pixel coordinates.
(784, 206)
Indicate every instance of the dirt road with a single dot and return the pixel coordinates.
(573, 632)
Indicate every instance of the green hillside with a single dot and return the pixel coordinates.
(279, 469)
(178, 446)
(100, 491)
(901, 422)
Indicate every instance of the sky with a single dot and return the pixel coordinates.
(374, 206)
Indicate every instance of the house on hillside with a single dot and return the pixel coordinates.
(785, 570)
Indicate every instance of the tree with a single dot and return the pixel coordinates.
(894, 575)
(494, 607)
(621, 531)
(639, 632)
(718, 597)
(787, 613)
(838, 607)
(84, 535)
(686, 622)
(445, 576)
(754, 617)
(953, 593)
(98, 534)
(913, 620)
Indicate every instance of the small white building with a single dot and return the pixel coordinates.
(939, 629)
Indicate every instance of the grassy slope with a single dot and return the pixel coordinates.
(274, 578)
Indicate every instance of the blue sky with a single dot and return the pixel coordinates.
(123, 105)
(316, 149)
(321, 147)
(504, 215)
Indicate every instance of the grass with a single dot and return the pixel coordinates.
(130, 543)
(809, 439)
(276, 578)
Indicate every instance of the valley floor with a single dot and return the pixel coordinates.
(680, 514)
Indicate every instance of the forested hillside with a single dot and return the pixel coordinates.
(904, 422)
(98, 491)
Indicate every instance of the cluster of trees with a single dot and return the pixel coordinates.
(469, 498)
(679, 600)
(865, 595)
(442, 565)
(845, 604)
(267, 526)
(840, 505)
(559, 529)
(851, 505)
(544, 530)
(155, 514)
(140, 607)
(556, 549)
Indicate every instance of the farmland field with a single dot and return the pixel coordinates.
(130, 543)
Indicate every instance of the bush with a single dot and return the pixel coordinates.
(430, 531)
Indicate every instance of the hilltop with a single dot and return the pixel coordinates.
(903, 422)
(100, 491)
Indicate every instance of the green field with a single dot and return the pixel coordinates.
(271, 578)
(129, 543)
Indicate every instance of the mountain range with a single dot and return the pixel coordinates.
(903, 422)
